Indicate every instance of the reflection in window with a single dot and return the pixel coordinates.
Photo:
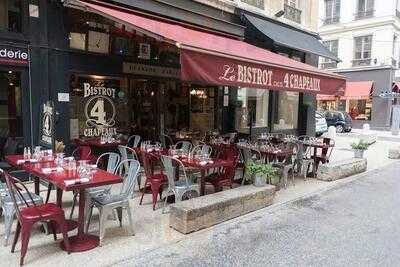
(10, 15)
(287, 111)
(252, 108)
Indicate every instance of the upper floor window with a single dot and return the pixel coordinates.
(332, 45)
(10, 15)
(332, 11)
(291, 11)
(362, 50)
(255, 3)
(365, 9)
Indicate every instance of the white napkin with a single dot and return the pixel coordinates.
(49, 170)
(202, 163)
(76, 181)
(22, 161)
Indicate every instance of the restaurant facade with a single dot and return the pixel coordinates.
(149, 68)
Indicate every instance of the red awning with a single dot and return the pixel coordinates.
(213, 59)
(354, 91)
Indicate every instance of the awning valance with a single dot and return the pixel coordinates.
(285, 36)
(213, 59)
(361, 90)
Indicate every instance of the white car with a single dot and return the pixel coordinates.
(320, 124)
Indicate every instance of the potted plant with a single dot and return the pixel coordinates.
(359, 148)
(260, 173)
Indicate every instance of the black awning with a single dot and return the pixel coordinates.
(289, 37)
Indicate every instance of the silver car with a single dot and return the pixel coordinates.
(320, 124)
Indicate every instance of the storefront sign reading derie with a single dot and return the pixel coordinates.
(99, 108)
(13, 55)
(265, 77)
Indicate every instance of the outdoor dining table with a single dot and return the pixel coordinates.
(68, 180)
(202, 166)
(275, 155)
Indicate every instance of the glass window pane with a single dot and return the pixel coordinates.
(252, 108)
(10, 105)
(10, 15)
(288, 107)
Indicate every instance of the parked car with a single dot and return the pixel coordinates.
(339, 119)
(320, 124)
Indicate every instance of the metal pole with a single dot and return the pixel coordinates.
(30, 94)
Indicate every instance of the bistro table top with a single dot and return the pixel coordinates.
(100, 177)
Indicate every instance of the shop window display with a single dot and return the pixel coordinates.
(251, 109)
(360, 109)
(287, 109)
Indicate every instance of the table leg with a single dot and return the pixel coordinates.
(315, 162)
(82, 242)
(71, 224)
(37, 185)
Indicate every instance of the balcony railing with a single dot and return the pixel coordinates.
(364, 14)
(332, 20)
(361, 62)
(329, 65)
(292, 13)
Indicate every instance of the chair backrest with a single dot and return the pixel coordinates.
(18, 190)
(109, 159)
(127, 153)
(82, 153)
(326, 152)
(184, 145)
(134, 140)
(166, 141)
(169, 164)
(203, 149)
(148, 162)
(130, 177)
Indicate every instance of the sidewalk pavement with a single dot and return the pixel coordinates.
(381, 135)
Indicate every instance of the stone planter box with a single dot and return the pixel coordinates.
(341, 169)
(202, 212)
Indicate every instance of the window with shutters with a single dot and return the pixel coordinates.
(332, 45)
(291, 11)
(365, 9)
(332, 11)
(362, 50)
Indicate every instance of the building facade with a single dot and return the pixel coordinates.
(63, 52)
(364, 34)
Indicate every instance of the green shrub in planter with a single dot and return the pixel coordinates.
(256, 170)
(359, 148)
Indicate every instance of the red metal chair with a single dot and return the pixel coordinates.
(32, 214)
(225, 176)
(325, 153)
(154, 181)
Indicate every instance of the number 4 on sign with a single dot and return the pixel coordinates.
(46, 125)
(98, 112)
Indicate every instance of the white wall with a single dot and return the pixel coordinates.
(382, 26)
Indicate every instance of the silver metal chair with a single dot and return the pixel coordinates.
(112, 160)
(180, 187)
(202, 149)
(166, 140)
(7, 205)
(134, 140)
(108, 202)
(186, 146)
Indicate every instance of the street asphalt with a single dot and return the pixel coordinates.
(353, 224)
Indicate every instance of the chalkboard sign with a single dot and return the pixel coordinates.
(46, 128)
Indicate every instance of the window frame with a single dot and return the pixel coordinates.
(362, 58)
(23, 33)
(334, 16)
(367, 11)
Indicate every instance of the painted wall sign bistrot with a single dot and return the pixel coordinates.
(200, 67)
(99, 107)
(13, 55)
(47, 124)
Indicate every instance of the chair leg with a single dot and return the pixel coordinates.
(8, 222)
(26, 229)
(16, 236)
(119, 212)
(129, 212)
(102, 224)
(49, 188)
(53, 229)
(155, 188)
(88, 216)
(144, 191)
(73, 205)
(165, 201)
